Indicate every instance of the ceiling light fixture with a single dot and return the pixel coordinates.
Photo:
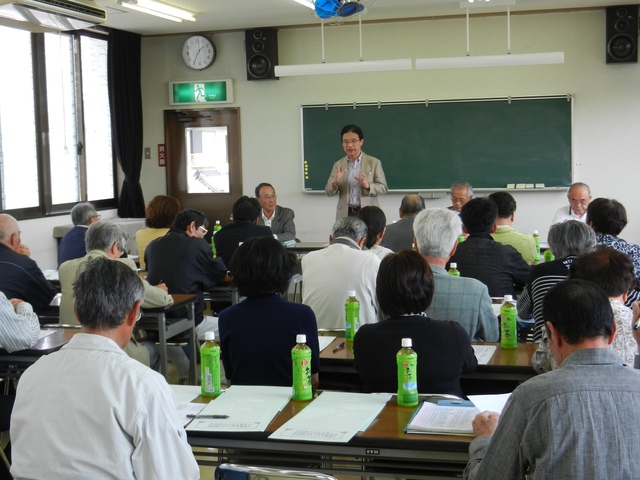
(342, 67)
(159, 9)
(306, 3)
(508, 60)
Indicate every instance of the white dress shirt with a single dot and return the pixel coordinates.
(565, 213)
(90, 411)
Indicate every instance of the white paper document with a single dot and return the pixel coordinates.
(249, 409)
(484, 353)
(333, 417)
(492, 403)
(185, 393)
(438, 419)
(186, 408)
(325, 341)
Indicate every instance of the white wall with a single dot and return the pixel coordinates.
(605, 127)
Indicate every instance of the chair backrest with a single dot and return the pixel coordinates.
(230, 471)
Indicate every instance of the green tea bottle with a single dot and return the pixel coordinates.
(216, 228)
(548, 255)
(210, 366)
(460, 238)
(407, 361)
(352, 316)
(301, 361)
(536, 237)
(508, 324)
(453, 269)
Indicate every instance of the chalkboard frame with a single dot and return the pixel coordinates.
(550, 140)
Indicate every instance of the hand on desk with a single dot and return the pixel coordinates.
(485, 423)
(162, 286)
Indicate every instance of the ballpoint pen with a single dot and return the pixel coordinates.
(339, 347)
(191, 415)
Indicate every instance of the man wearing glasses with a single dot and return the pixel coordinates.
(579, 196)
(279, 219)
(357, 177)
(461, 193)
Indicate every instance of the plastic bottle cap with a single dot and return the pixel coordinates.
(535, 232)
(352, 293)
(209, 336)
(406, 342)
(301, 338)
(454, 265)
(217, 222)
(508, 298)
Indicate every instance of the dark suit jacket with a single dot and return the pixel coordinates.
(231, 235)
(20, 277)
(186, 265)
(399, 235)
(282, 224)
(72, 244)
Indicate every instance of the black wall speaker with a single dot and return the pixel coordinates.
(262, 53)
(622, 34)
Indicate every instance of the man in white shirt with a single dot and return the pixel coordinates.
(279, 219)
(330, 273)
(579, 196)
(90, 411)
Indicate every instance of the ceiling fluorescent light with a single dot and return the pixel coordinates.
(509, 60)
(486, 4)
(170, 10)
(343, 67)
(306, 3)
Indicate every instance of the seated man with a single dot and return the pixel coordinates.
(20, 277)
(246, 212)
(55, 429)
(183, 260)
(579, 421)
(500, 267)
(106, 240)
(279, 219)
(461, 193)
(505, 233)
(399, 235)
(330, 273)
(72, 244)
(579, 196)
(19, 326)
(464, 300)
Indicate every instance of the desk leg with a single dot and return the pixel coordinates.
(193, 358)
(162, 345)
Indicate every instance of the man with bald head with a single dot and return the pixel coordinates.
(579, 196)
(20, 276)
(399, 235)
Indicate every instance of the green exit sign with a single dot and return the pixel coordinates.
(202, 92)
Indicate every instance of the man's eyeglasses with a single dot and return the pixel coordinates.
(204, 230)
(269, 197)
(352, 141)
(139, 316)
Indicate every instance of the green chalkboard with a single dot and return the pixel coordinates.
(427, 145)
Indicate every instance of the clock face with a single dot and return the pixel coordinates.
(198, 52)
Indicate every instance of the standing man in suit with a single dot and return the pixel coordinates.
(280, 219)
(399, 235)
(357, 177)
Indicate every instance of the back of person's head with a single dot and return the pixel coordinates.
(246, 209)
(105, 293)
(411, 204)
(579, 310)
(404, 284)
(460, 184)
(102, 235)
(161, 211)
(82, 213)
(608, 268)
(607, 216)
(479, 215)
(505, 202)
(436, 231)
(259, 187)
(261, 266)
(570, 238)
(375, 220)
(350, 227)
(185, 217)
(8, 226)
(352, 129)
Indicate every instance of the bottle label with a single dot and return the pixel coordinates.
(210, 371)
(301, 360)
(352, 317)
(508, 326)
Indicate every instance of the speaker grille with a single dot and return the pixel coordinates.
(262, 53)
(622, 34)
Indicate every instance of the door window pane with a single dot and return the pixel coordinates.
(207, 160)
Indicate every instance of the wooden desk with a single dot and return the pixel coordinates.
(382, 450)
(173, 328)
(513, 366)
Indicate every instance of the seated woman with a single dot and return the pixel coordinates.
(404, 289)
(257, 334)
(376, 222)
(159, 216)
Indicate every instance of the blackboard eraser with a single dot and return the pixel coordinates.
(530, 185)
(521, 185)
(539, 185)
(511, 185)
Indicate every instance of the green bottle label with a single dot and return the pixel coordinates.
(352, 318)
(210, 369)
(454, 272)
(407, 361)
(548, 256)
(301, 360)
(508, 326)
